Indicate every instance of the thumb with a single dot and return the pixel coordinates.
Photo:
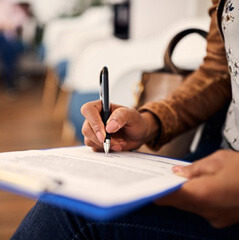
(205, 166)
(120, 117)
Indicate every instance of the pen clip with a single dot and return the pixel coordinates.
(104, 88)
(100, 90)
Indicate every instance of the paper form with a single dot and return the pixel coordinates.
(94, 177)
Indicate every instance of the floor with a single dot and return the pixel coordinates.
(24, 124)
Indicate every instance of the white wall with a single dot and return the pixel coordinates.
(148, 17)
(203, 6)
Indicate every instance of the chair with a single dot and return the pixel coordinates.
(64, 40)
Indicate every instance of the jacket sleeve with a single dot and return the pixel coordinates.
(200, 96)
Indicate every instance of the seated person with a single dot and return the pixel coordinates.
(209, 200)
(13, 17)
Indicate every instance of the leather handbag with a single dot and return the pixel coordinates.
(158, 84)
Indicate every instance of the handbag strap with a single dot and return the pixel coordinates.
(168, 64)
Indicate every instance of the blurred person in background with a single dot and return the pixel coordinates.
(45, 11)
(15, 16)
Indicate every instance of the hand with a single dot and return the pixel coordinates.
(129, 129)
(212, 190)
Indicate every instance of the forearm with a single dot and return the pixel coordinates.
(201, 95)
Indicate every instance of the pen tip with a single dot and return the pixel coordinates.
(107, 147)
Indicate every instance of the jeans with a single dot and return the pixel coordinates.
(10, 50)
(148, 223)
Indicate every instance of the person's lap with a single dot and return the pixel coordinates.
(10, 50)
(150, 222)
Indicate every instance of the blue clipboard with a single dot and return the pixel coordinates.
(84, 208)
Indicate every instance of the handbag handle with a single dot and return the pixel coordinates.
(168, 64)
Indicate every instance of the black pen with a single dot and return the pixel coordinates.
(104, 96)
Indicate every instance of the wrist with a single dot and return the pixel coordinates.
(153, 126)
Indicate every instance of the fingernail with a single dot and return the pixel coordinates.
(178, 170)
(112, 126)
(100, 136)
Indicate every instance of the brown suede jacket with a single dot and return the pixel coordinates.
(201, 95)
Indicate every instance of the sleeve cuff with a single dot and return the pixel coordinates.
(167, 118)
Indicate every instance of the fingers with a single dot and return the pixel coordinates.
(90, 137)
(207, 194)
(199, 197)
(91, 111)
(92, 141)
(194, 196)
(208, 165)
(93, 145)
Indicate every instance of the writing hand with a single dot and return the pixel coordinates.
(129, 129)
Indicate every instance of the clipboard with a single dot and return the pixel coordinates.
(92, 208)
